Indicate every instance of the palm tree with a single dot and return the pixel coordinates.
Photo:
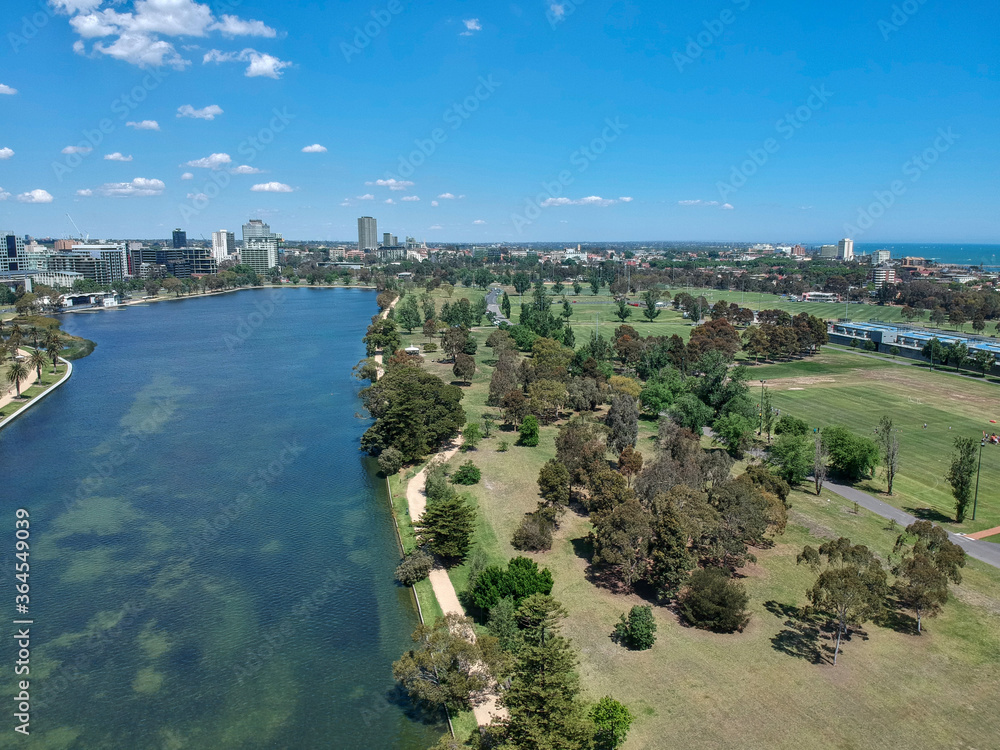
(17, 373)
(53, 345)
(37, 360)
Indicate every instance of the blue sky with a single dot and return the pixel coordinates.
(527, 121)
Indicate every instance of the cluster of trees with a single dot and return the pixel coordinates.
(954, 303)
(958, 354)
(46, 346)
(852, 586)
(782, 336)
(421, 312)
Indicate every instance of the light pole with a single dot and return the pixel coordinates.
(975, 501)
(761, 431)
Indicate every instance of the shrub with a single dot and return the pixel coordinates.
(612, 721)
(468, 473)
(534, 534)
(850, 454)
(430, 347)
(528, 431)
(715, 602)
(638, 631)
(390, 461)
(789, 425)
(553, 483)
(471, 435)
(416, 566)
(503, 447)
(519, 580)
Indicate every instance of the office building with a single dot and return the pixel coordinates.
(367, 234)
(180, 238)
(881, 257)
(223, 244)
(260, 246)
(12, 253)
(828, 251)
(64, 244)
(255, 228)
(845, 250)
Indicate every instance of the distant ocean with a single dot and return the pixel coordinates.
(970, 255)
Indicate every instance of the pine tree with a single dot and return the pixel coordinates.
(446, 527)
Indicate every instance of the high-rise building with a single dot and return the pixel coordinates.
(223, 244)
(845, 250)
(115, 256)
(12, 253)
(880, 257)
(828, 251)
(883, 275)
(260, 246)
(255, 228)
(367, 234)
(180, 238)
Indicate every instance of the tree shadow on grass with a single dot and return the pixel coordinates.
(804, 634)
(583, 546)
(898, 620)
(929, 514)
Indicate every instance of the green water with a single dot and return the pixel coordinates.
(211, 556)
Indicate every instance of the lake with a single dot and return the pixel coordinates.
(211, 555)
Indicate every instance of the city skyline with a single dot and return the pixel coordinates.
(628, 122)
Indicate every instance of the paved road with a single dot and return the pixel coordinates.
(987, 552)
(493, 306)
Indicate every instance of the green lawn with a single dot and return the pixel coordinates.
(839, 387)
(760, 688)
(39, 386)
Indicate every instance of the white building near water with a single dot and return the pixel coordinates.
(845, 249)
(223, 244)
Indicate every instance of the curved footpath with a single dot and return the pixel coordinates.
(7, 399)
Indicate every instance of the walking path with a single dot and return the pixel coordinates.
(987, 552)
(985, 533)
(444, 589)
(11, 392)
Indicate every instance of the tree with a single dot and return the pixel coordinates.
(446, 527)
(152, 287)
(446, 667)
(629, 464)
(789, 425)
(819, 463)
(505, 306)
(925, 568)
(553, 483)
(390, 461)
(17, 373)
(793, 456)
(521, 282)
(415, 567)
(382, 336)
(850, 454)
(714, 601)
(502, 625)
(623, 423)
(38, 360)
(888, 442)
(415, 412)
(689, 411)
(623, 311)
(471, 435)
(733, 430)
(464, 368)
(528, 432)
(456, 340)
(934, 351)
(53, 345)
(956, 352)
(638, 631)
(612, 721)
(407, 313)
(174, 285)
(518, 580)
(767, 413)
(985, 361)
(622, 540)
(467, 473)
(652, 312)
(852, 586)
(963, 467)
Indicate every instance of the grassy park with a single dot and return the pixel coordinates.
(764, 687)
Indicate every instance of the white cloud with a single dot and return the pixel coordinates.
(230, 26)
(144, 125)
(213, 161)
(198, 197)
(590, 200)
(140, 187)
(6, 153)
(345, 202)
(436, 226)
(435, 203)
(557, 11)
(271, 187)
(4, 195)
(205, 113)
(411, 198)
(726, 206)
(261, 64)
(479, 221)
(447, 196)
(390, 201)
(626, 199)
(366, 197)
(392, 183)
(187, 176)
(117, 156)
(35, 196)
(245, 169)
(85, 193)
(471, 25)
(314, 149)
(697, 203)
(142, 50)
(77, 150)
(5, 89)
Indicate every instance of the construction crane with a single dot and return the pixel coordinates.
(79, 233)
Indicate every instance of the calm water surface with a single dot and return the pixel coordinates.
(211, 560)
